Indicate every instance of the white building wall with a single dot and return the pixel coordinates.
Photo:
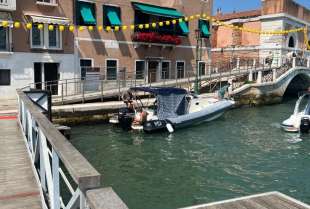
(22, 69)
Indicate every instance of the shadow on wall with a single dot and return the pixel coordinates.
(124, 48)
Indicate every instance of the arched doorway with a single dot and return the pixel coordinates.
(291, 42)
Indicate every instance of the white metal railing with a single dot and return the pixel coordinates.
(59, 166)
(8, 5)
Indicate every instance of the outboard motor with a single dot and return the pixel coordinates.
(305, 125)
(125, 118)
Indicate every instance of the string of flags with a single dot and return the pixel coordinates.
(72, 28)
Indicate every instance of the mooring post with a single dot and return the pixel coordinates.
(238, 63)
(308, 62)
(259, 76)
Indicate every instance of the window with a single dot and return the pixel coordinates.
(140, 69)
(4, 39)
(45, 38)
(180, 69)
(84, 65)
(85, 13)
(111, 16)
(111, 66)
(37, 37)
(165, 70)
(202, 68)
(54, 38)
(5, 77)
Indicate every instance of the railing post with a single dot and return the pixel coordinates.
(308, 62)
(66, 87)
(254, 63)
(56, 189)
(101, 90)
(274, 75)
(62, 93)
(294, 62)
(238, 63)
(251, 75)
(259, 76)
(83, 90)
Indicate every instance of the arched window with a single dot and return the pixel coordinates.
(291, 42)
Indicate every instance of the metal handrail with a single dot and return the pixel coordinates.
(47, 148)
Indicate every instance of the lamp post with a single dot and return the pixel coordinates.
(198, 59)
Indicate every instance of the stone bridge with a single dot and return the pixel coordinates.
(292, 81)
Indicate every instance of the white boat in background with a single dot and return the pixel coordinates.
(299, 121)
(174, 108)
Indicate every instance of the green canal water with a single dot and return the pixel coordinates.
(244, 152)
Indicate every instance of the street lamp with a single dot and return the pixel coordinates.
(198, 59)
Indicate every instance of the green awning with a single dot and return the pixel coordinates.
(184, 28)
(157, 10)
(113, 16)
(204, 27)
(87, 14)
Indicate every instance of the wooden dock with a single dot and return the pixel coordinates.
(18, 186)
(270, 200)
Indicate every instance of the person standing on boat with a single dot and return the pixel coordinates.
(223, 91)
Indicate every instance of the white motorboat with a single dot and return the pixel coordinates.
(174, 108)
(299, 121)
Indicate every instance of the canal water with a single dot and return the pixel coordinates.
(244, 152)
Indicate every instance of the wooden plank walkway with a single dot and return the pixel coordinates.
(271, 200)
(18, 186)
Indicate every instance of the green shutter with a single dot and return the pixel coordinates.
(184, 28)
(87, 14)
(204, 27)
(157, 10)
(113, 16)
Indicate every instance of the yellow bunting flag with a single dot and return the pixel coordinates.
(147, 26)
(108, 28)
(5, 24)
(17, 25)
(141, 26)
(132, 27)
(167, 22)
(61, 28)
(186, 19)
(90, 28)
(180, 20)
(71, 28)
(100, 28)
(81, 28)
(161, 24)
(174, 22)
(116, 28)
(124, 27)
(40, 26)
(51, 27)
(154, 25)
(28, 26)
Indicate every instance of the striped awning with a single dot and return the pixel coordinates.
(49, 19)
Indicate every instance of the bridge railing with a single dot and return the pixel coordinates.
(65, 178)
(100, 81)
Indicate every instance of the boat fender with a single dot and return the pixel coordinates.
(169, 127)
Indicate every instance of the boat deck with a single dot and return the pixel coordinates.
(271, 200)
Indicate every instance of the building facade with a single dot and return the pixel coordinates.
(151, 51)
(37, 54)
(274, 15)
(143, 40)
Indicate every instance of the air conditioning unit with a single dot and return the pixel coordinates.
(8, 5)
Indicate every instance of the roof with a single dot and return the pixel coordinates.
(160, 90)
(239, 15)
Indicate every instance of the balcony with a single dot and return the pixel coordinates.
(7, 5)
(154, 37)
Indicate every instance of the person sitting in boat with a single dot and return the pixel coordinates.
(223, 91)
(140, 117)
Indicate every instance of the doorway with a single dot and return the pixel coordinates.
(153, 67)
(51, 77)
(38, 75)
